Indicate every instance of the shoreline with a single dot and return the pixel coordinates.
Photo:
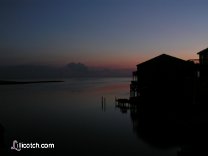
(2, 82)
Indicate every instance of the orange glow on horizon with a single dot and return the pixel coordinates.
(124, 61)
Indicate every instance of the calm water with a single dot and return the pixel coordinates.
(71, 116)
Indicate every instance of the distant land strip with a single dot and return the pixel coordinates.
(25, 82)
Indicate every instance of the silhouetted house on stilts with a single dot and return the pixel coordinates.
(169, 95)
(170, 77)
(163, 74)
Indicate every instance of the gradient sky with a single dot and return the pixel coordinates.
(101, 33)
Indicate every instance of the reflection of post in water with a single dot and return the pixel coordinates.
(1, 138)
(103, 103)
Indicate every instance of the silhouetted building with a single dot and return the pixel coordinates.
(202, 68)
(203, 56)
(169, 76)
(159, 74)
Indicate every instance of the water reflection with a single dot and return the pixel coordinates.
(2, 144)
(75, 121)
(67, 114)
(170, 122)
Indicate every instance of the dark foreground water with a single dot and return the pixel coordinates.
(70, 115)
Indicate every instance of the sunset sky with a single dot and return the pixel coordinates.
(100, 33)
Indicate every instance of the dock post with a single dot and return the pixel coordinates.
(103, 103)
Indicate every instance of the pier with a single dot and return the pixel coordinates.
(124, 104)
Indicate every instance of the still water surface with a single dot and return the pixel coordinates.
(71, 116)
